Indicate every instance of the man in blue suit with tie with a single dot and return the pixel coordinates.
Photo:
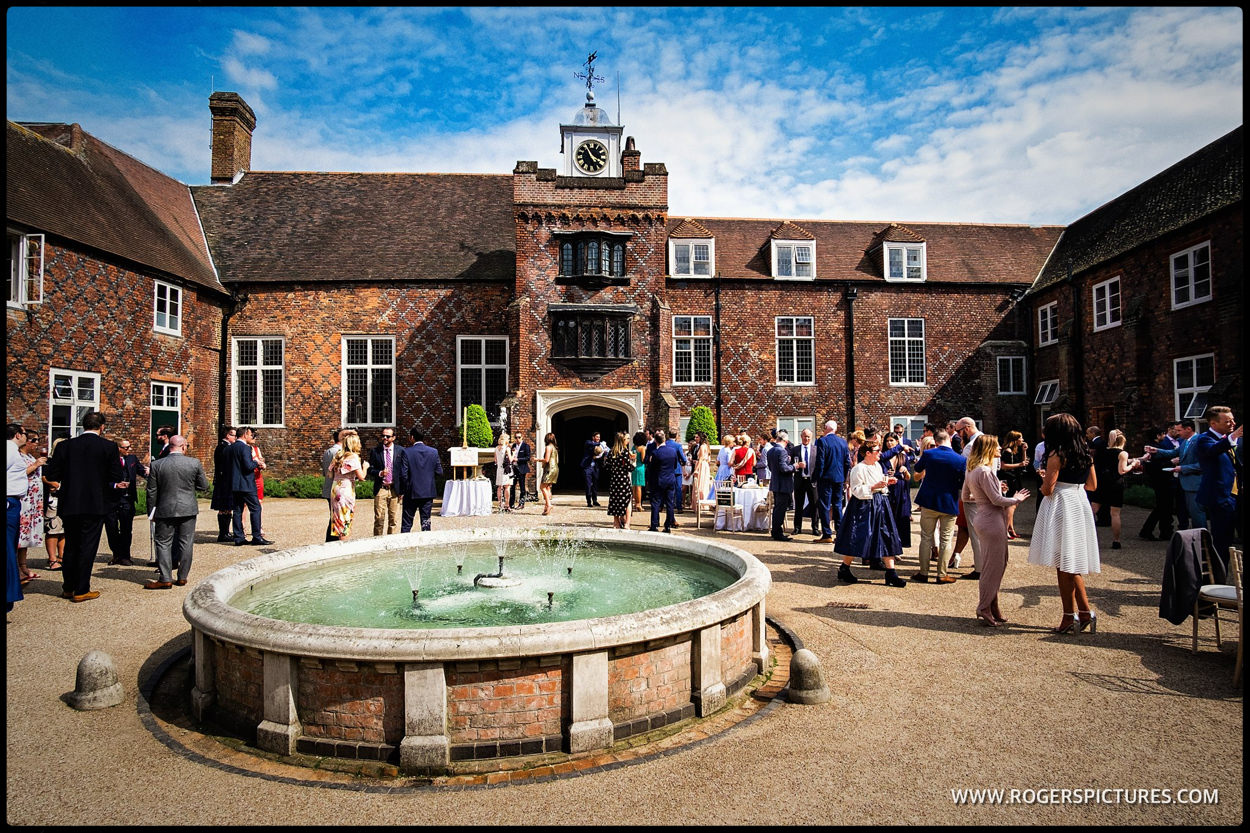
(1216, 492)
(829, 471)
(667, 458)
(780, 483)
(243, 485)
(414, 480)
(942, 468)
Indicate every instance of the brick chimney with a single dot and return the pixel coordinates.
(233, 123)
(631, 159)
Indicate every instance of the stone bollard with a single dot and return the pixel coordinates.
(807, 681)
(97, 686)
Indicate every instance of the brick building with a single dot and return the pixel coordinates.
(570, 298)
(1138, 317)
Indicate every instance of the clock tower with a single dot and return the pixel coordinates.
(591, 145)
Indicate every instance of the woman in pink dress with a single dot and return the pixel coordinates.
(346, 469)
(983, 488)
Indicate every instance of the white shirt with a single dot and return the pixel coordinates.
(17, 471)
(862, 478)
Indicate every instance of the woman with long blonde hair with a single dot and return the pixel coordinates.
(504, 460)
(620, 463)
(982, 487)
(345, 470)
(1111, 464)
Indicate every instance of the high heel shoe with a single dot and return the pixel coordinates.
(1066, 624)
(988, 621)
(1091, 622)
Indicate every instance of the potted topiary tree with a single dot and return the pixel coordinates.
(475, 432)
(702, 420)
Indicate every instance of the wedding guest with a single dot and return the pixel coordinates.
(346, 469)
(30, 533)
(724, 459)
(982, 486)
(551, 470)
(504, 462)
(53, 526)
(868, 530)
(1111, 464)
(1064, 536)
(639, 477)
(1013, 463)
(620, 465)
(223, 495)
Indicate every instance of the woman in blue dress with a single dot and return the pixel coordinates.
(724, 460)
(896, 461)
(868, 530)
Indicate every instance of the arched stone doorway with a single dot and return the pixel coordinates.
(573, 416)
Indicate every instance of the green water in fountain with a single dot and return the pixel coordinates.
(376, 591)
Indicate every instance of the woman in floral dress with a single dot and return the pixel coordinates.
(345, 471)
(30, 530)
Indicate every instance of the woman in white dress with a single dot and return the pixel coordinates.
(1063, 534)
(503, 470)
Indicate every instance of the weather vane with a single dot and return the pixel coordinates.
(589, 77)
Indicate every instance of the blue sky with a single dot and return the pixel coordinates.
(1019, 115)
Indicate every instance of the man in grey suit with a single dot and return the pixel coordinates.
(172, 483)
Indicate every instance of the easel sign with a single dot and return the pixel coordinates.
(465, 457)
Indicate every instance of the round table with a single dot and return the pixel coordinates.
(466, 497)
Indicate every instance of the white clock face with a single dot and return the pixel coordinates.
(591, 156)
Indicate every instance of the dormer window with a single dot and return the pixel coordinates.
(795, 260)
(597, 257)
(691, 258)
(905, 261)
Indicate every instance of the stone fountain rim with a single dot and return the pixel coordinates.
(207, 610)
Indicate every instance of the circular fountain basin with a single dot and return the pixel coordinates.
(435, 699)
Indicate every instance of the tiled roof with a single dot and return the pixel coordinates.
(689, 228)
(1197, 186)
(339, 227)
(789, 231)
(895, 233)
(64, 182)
(956, 252)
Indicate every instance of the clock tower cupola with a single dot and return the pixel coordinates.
(591, 144)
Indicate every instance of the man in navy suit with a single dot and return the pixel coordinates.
(829, 472)
(521, 450)
(88, 467)
(780, 483)
(1219, 476)
(942, 469)
(120, 521)
(591, 457)
(414, 478)
(667, 458)
(243, 488)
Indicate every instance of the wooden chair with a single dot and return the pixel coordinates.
(1225, 596)
(725, 507)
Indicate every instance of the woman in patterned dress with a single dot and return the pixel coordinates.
(30, 531)
(346, 469)
(551, 470)
(621, 481)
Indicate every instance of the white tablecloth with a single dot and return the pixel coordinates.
(748, 499)
(466, 497)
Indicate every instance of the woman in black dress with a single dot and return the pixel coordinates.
(1111, 464)
(1011, 467)
(621, 481)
